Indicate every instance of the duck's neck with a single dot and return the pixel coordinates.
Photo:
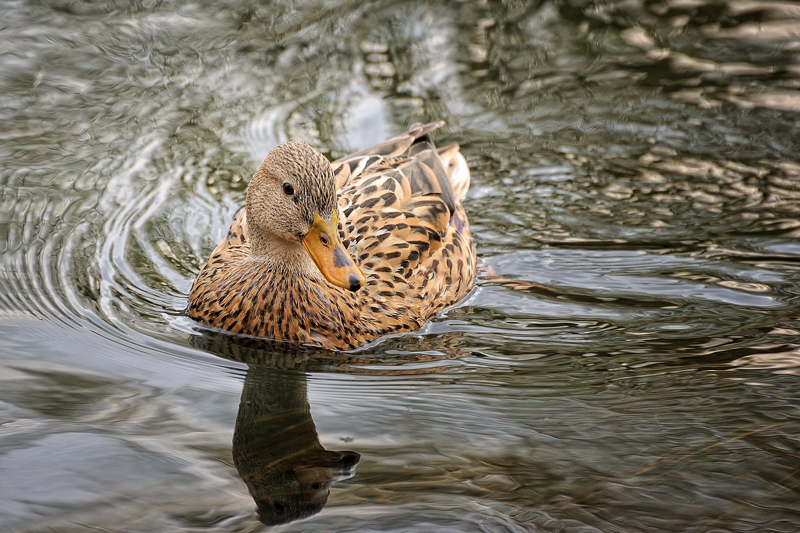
(287, 256)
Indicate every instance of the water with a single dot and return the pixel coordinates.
(628, 361)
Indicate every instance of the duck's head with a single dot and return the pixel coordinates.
(291, 201)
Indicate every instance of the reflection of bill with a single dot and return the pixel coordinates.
(276, 449)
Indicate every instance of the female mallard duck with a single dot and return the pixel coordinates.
(286, 269)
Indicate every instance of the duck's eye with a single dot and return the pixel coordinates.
(288, 189)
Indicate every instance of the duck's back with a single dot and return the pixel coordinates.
(401, 220)
(404, 222)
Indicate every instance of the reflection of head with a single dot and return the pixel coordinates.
(276, 449)
(302, 490)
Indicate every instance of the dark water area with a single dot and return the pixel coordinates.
(629, 360)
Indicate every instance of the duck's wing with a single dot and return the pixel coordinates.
(404, 222)
(393, 147)
(451, 174)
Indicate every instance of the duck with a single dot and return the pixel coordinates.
(337, 255)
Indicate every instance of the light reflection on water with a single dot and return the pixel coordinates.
(628, 360)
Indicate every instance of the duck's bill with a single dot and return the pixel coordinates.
(327, 251)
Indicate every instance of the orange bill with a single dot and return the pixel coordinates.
(327, 251)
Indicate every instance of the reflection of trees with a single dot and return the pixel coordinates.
(276, 449)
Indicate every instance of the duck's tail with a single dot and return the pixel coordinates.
(457, 170)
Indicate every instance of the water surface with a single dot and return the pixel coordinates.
(629, 358)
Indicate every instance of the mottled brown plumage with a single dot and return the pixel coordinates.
(399, 217)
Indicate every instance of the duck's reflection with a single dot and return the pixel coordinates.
(275, 445)
(276, 449)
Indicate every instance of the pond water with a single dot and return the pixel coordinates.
(630, 357)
